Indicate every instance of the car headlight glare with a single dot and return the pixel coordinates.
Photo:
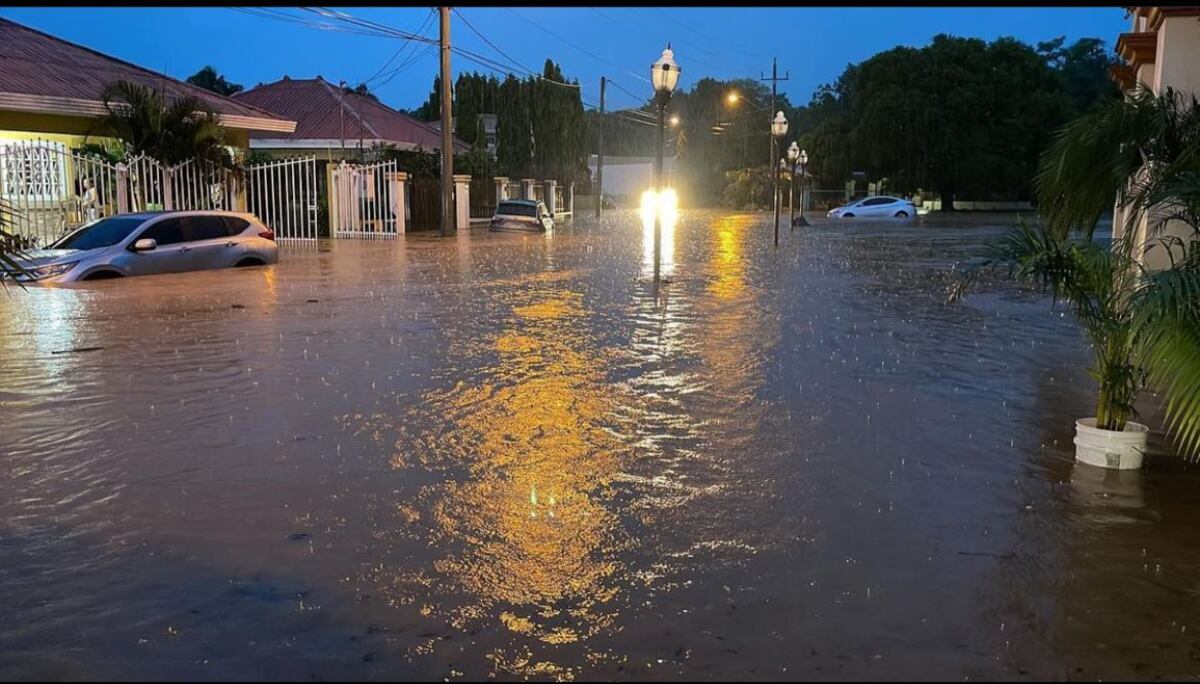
(42, 272)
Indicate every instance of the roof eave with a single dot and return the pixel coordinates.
(70, 106)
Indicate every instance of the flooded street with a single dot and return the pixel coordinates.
(514, 456)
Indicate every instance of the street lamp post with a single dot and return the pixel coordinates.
(803, 160)
(664, 76)
(793, 155)
(779, 126)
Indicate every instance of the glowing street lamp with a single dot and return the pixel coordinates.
(779, 127)
(664, 76)
(802, 160)
(793, 155)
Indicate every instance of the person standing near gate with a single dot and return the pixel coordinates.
(90, 201)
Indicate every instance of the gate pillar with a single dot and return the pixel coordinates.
(462, 201)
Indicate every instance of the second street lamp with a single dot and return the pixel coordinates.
(793, 155)
(803, 160)
(779, 126)
(664, 76)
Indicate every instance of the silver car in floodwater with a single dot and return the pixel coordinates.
(151, 243)
(522, 214)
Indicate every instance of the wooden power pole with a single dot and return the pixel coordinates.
(447, 133)
(773, 165)
(600, 154)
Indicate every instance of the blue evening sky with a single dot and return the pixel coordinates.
(813, 44)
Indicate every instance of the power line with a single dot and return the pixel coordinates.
(412, 59)
(283, 16)
(406, 45)
(577, 47)
(714, 41)
(691, 58)
(358, 21)
(490, 43)
(618, 86)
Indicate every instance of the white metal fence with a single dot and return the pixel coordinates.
(284, 195)
(52, 189)
(365, 201)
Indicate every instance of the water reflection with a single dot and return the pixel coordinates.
(525, 535)
(669, 217)
(513, 456)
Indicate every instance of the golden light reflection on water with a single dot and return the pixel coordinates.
(735, 335)
(526, 536)
(665, 207)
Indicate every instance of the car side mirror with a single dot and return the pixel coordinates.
(145, 245)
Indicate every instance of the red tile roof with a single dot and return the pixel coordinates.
(39, 70)
(323, 111)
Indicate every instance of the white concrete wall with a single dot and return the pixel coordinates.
(1178, 56)
(1176, 65)
(623, 178)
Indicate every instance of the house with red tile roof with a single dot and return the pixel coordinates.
(51, 89)
(333, 122)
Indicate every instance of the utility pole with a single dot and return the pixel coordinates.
(447, 134)
(600, 153)
(342, 116)
(771, 163)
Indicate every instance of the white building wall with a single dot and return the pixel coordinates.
(1176, 65)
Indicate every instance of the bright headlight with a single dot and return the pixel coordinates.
(52, 270)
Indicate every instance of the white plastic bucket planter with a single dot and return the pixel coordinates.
(1119, 450)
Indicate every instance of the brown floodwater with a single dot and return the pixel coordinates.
(514, 456)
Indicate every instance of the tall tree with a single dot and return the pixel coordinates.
(209, 79)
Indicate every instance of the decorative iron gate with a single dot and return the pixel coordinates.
(283, 194)
(483, 197)
(365, 201)
(426, 203)
(52, 189)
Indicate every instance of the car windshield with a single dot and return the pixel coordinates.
(516, 209)
(103, 233)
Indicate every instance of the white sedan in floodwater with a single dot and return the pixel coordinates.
(875, 207)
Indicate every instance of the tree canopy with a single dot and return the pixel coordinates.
(541, 128)
(209, 79)
(959, 116)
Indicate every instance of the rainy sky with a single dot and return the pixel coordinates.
(250, 45)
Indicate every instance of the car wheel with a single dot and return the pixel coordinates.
(848, 215)
(902, 214)
(102, 275)
(250, 262)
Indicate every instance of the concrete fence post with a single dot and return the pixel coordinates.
(122, 189)
(399, 180)
(501, 188)
(571, 199)
(551, 196)
(462, 201)
(168, 199)
(527, 188)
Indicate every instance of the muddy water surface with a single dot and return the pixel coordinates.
(514, 456)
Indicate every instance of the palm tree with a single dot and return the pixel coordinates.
(1143, 150)
(171, 132)
(1144, 324)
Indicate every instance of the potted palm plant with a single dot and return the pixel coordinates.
(1143, 323)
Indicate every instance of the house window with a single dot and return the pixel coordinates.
(33, 170)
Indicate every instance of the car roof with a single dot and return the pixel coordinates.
(184, 212)
(519, 201)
